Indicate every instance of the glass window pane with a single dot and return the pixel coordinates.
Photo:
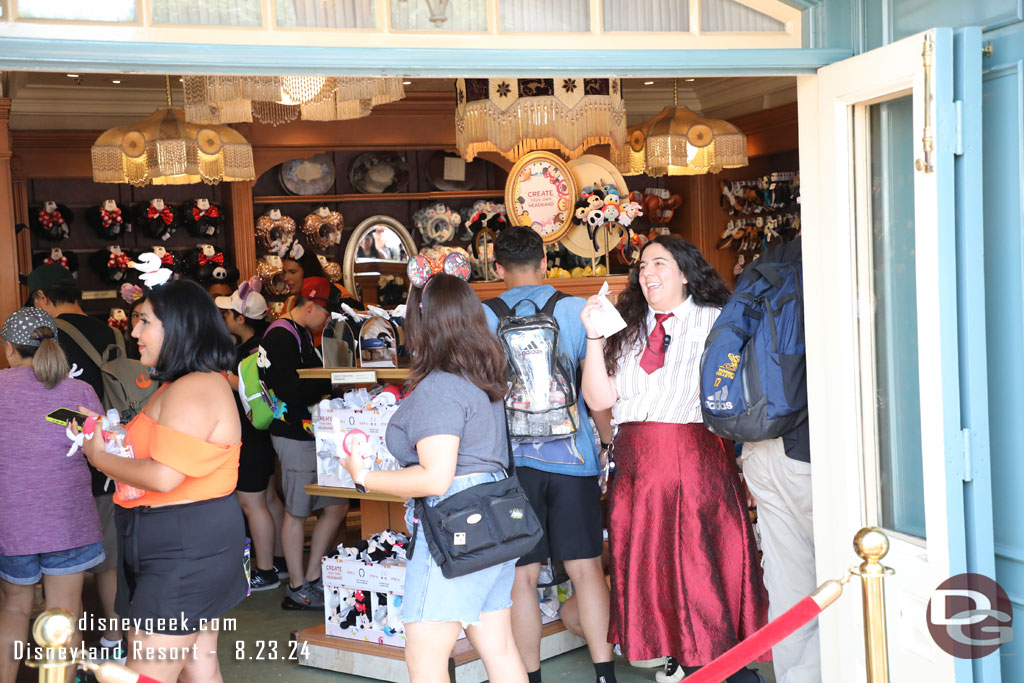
(646, 15)
(901, 476)
(76, 10)
(542, 16)
(729, 15)
(208, 12)
(439, 15)
(327, 13)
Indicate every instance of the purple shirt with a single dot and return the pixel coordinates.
(45, 497)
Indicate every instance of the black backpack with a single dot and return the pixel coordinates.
(541, 399)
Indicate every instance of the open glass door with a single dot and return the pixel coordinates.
(877, 145)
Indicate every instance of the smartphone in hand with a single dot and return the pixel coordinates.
(63, 416)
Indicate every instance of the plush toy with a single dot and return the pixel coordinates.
(158, 220)
(323, 228)
(108, 220)
(579, 214)
(274, 228)
(68, 259)
(202, 218)
(52, 220)
(118, 319)
(131, 293)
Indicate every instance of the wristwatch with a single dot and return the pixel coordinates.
(361, 481)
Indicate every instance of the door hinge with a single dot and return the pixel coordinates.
(965, 438)
(958, 111)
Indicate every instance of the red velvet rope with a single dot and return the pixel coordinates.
(759, 642)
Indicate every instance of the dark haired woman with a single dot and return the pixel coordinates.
(182, 542)
(245, 314)
(679, 531)
(449, 434)
(299, 263)
(49, 528)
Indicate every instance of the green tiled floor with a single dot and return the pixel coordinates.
(260, 618)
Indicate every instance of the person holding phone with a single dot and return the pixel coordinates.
(182, 543)
(49, 527)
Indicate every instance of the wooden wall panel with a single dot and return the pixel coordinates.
(11, 294)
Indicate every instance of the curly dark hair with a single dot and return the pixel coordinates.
(705, 286)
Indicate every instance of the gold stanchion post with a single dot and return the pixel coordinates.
(872, 545)
(54, 630)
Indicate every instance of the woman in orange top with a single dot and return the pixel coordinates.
(181, 544)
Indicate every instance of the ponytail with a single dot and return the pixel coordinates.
(49, 362)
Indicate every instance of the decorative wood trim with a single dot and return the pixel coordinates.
(577, 286)
(243, 228)
(387, 196)
(11, 292)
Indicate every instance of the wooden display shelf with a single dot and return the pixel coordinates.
(340, 492)
(387, 662)
(573, 286)
(384, 196)
(381, 373)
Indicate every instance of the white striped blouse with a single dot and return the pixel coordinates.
(672, 392)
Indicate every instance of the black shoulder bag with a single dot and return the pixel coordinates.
(482, 526)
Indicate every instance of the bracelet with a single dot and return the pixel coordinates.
(594, 338)
(605, 446)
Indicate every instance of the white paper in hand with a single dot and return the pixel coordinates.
(606, 320)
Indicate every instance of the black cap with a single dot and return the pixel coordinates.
(47, 276)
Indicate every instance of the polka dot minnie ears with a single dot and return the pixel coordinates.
(421, 268)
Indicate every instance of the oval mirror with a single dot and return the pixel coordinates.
(379, 245)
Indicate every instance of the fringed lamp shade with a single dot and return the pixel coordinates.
(282, 99)
(164, 149)
(680, 142)
(513, 116)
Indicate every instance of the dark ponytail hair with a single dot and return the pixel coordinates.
(48, 360)
(704, 285)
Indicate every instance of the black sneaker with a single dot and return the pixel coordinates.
(281, 567)
(264, 580)
(302, 598)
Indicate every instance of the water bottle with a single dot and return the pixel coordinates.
(116, 442)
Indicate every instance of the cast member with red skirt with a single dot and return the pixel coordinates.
(686, 581)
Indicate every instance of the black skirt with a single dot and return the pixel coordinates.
(180, 566)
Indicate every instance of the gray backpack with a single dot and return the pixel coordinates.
(127, 385)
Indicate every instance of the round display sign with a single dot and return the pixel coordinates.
(540, 193)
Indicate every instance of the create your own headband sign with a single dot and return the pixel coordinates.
(540, 193)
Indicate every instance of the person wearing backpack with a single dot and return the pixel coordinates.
(679, 533)
(558, 473)
(53, 289)
(285, 349)
(244, 312)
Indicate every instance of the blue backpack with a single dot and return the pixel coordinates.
(753, 378)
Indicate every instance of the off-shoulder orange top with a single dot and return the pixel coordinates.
(211, 470)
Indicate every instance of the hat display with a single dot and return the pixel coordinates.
(22, 324)
(314, 175)
(451, 173)
(593, 171)
(246, 300)
(378, 172)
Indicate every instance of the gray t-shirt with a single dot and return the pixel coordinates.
(444, 403)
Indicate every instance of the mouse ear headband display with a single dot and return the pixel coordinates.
(421, 268)
(289, 249)
(153, 272)
(270, 230)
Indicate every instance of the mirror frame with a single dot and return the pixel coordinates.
(349, 262)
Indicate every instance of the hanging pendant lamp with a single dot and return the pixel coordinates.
(678, 141)
(513, 116)
(165, 149)
(282, 99)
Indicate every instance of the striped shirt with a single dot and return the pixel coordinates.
(672, 392)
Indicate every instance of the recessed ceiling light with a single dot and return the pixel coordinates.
(115, 82)
(648, 82)
(72, 75)
(406, 82)
(181, 80)
(689, 80)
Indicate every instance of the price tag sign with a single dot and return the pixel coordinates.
(354, 377)
(100, 294)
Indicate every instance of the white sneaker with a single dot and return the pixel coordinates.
(649, 663)
(672, 673)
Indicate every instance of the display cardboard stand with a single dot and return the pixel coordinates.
(387, 663)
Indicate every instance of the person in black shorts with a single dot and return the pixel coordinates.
(244, 314)
(560, 477)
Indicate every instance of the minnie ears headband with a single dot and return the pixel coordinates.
(421, 268)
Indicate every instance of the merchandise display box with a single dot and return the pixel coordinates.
(341, 432)
(342, 575)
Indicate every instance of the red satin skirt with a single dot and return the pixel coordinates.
(686, 578)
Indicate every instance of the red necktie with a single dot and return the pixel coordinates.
(654, 354)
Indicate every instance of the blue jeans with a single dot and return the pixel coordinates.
(429, 596)
(26, 570)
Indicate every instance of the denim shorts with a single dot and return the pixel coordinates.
(26, 570)
(429, 596)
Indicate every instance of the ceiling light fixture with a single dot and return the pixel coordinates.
(115, 82)
(281, 99)
(648, 82)
(72, 75)
(406, 82)
(165, 149)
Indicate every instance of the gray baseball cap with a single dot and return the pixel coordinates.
(20, 327)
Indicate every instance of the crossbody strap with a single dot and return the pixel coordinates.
(80, 339)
